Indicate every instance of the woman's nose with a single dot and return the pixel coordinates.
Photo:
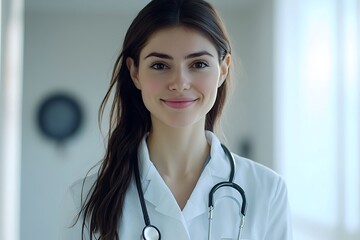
(180, 81)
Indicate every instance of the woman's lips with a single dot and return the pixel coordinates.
(179, 103)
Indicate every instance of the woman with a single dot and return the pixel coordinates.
(170, 84)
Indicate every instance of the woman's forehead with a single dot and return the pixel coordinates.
(179, 40)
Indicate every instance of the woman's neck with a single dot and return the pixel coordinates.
(178, 151)
(179, 155)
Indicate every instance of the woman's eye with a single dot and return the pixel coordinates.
(158, 66)
(200, 65)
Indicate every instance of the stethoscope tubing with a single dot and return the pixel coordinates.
(148, 226)
(232, 185)
(228, 183)
(141, 195)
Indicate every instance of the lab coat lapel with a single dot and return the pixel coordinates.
(217, 170)
(159, 195)
(198, 201)
(156, 192)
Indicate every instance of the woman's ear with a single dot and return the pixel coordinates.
(134, 72)
(224, 68)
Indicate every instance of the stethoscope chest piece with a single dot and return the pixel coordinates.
(150, 232)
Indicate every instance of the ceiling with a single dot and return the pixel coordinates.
(105, 6)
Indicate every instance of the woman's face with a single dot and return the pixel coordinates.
(178, 75)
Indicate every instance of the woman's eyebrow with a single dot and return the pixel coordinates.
(159, 55)
(198, 54)
(166, 56)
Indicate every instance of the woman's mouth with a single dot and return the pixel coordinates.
(179, 103)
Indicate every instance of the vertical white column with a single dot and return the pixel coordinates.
(10, 113)
(351, 117)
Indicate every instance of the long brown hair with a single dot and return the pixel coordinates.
(129, 119)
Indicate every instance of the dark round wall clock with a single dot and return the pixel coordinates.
(59, 117)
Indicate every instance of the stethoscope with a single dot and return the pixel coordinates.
(150, 232)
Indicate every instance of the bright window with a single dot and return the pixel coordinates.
(317, 118)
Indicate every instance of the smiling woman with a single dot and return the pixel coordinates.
(164, 162)
(185, 77)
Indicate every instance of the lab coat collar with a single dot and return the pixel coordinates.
(157, 193)
(219, 162)
(155, 190)
(217, 170)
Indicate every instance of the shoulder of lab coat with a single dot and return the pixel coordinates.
(267, 200)
(266, 194)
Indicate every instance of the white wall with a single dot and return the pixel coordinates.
(71, 53)
(75, 52)
(250, 114)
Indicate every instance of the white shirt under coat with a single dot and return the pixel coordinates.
(267, 214)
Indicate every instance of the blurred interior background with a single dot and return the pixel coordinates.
(295, 108)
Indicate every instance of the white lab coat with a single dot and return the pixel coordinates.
(267, 214)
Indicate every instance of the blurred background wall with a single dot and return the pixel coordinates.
(295, 107)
